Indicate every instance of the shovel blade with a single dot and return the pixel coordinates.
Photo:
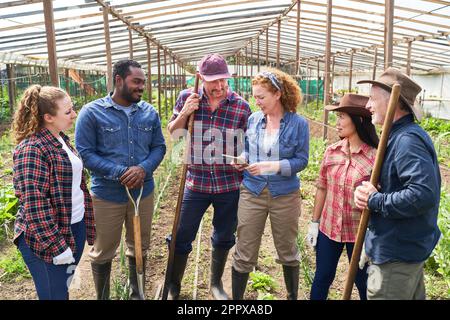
(140, 279)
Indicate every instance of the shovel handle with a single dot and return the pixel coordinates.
(138, 244)
(137, 231)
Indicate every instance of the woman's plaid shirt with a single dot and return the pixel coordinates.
(341, 172)
(43, 184)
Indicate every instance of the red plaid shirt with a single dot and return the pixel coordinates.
(208, 175)
(43, 184)
(340, 174)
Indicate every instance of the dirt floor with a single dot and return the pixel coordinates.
(82, 287)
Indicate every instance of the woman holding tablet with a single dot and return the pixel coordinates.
(276, 149)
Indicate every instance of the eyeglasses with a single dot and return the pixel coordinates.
(273, 79)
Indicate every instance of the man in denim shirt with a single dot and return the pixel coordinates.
(120, 140)
(403, 229)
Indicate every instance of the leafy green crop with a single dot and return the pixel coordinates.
(259, 281)
(8, 204)
(13, 267)
(435, 126)
(317, 148)
(440, 257)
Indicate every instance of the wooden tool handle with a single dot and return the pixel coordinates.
(138, 244)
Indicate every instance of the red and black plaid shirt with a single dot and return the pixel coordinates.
(204, 173)
(43, 184)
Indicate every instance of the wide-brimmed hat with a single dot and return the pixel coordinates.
(409, 91)
(213, 67)
(351, 103)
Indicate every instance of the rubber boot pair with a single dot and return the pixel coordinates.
(218, 261)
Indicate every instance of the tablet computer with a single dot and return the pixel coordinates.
(236, 160)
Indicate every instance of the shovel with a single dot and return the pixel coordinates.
(137, 242)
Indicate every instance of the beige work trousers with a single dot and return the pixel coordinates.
(283, 211)
(109, 219)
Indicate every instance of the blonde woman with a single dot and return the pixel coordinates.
(276, 149)
(55, 215)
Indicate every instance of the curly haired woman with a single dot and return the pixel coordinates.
(55, 215)
(276, 148)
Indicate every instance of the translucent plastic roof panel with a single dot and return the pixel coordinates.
(188, 29)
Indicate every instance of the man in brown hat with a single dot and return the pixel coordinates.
(403, 229)
(218, 112)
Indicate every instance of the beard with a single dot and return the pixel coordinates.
(218, 93)
(127, 94)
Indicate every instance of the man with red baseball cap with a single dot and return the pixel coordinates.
(218, 112)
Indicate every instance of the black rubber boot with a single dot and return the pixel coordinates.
(101, 273)
(133, 281)
(291, 281)
(238, 284)
(218, 261)
(179, 265)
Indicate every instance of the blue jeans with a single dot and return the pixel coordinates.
(328, 253)
(224, 221)
(52, 282)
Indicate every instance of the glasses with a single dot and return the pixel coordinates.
(273, 79)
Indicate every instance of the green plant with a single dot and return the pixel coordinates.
(260, 281)
(440, 258)
(165, 172)
(305, 263)
(316, 113)
(442, 146)
(8, 206)
(121, 290)
(317, 148)
(13, 267)
(6, 143)
(5, 112)
(265, 296)
(435, 126)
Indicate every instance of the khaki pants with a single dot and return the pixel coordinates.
(109, 219)
(396, 281)
(284, 213)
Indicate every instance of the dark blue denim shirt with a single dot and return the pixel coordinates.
(109, 142)
(403, 221)
(291, 149)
